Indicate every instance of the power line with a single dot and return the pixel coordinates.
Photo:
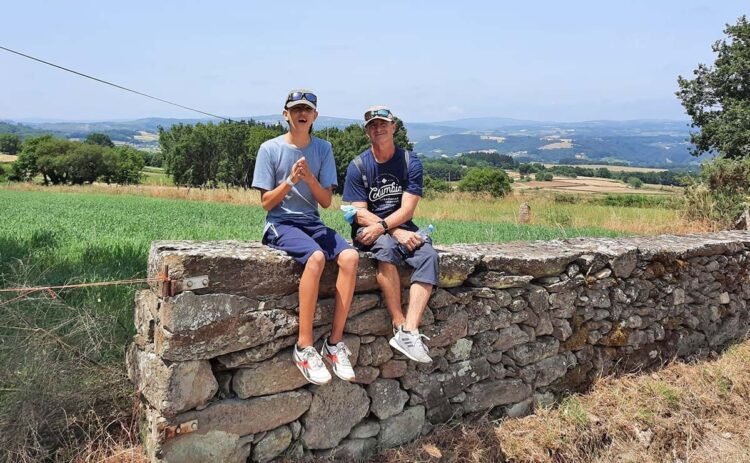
(113, 84)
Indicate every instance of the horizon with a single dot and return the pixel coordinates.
(430, 62)
(259, 116)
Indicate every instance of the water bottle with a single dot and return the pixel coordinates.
(423, 233)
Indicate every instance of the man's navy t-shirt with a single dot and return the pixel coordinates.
(387, 181)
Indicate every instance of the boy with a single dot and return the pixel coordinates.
(294, 173)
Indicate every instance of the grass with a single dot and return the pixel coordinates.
(63, 391)
(63, 385)
(683, 412)
(630, 214)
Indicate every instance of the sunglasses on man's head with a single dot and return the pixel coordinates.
(297, 96)
(378, 113)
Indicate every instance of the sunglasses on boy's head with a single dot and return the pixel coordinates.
(297, 96)
(378, 113)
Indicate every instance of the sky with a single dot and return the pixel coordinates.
(428, 61)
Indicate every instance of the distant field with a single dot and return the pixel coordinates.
(588, 185)
(146, 136)
(7, 158)
(611, 168)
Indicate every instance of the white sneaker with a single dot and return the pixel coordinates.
(338, 356)
(311, 365)
(410, 344)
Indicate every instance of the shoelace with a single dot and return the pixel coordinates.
(418, 341)
(312, 357)
(341, 347)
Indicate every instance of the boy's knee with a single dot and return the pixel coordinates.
(349, 258)
(316, 261)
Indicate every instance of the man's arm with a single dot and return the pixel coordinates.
(373, 229)
(399, 217)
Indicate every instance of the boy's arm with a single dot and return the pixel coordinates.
(322, 195)
(321, 185)
(271, 198)
(271, 194)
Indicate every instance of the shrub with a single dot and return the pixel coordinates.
(434, 186)
(486, 180)
(543, 176)
(634, 182)
(559, 217)
(720, 193)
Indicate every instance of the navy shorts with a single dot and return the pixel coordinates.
(424, 260)
(301, 240)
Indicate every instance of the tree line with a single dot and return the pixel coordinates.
(213, 155)
(59, 161)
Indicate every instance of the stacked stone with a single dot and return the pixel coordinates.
(510, 325)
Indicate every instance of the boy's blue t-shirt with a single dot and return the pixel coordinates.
(274, 165)
(387, 181)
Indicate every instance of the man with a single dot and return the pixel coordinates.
(386, 189)
(294, 173)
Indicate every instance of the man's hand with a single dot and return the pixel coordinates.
(410, 240)
(369, 234)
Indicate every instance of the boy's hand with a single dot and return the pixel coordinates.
(303, 169)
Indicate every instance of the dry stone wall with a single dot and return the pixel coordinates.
(510, 325)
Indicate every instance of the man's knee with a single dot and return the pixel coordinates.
(386, 272)
(432, 258)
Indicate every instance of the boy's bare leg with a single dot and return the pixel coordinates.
(419, 295)
(348, 262)
(309, 285)
(390, 285)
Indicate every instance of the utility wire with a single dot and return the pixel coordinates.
(113, 85)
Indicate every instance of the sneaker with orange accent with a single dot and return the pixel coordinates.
(311, 365)
(338, 356)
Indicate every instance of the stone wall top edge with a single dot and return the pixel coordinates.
(250, 268)
(523, 250)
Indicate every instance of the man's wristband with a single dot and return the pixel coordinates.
(289, 181)
(384, 224)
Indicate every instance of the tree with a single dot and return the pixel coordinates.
(25, 166)
(83, 164)
(10, 143)
(99, 139)
(401, 137)
(346, 144)
(486, 180)
(122, 165)
(718, 97)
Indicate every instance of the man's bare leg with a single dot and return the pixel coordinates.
(419, 295)
(348, 262)
(309, 285)
(390, 285)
